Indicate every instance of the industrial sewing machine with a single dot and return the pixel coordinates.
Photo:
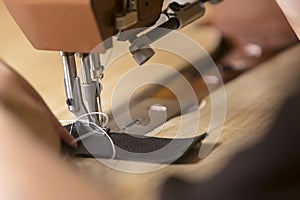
(75, 27)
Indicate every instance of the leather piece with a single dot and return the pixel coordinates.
(134, 147)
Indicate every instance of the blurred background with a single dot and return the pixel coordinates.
(42, 69)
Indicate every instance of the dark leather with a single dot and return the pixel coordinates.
(134, 147)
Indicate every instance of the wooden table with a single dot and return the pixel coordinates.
(253, 99)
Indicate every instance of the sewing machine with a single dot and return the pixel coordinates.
(76, 27)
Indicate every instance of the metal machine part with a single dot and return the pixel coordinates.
(72, 85)
(92, 72)
(89, 87)
(70, 73)
(179, 15)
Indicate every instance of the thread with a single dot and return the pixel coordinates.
(89, 134)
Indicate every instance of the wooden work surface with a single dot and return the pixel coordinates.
(253, 100)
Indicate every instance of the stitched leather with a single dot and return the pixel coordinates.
(135, 147)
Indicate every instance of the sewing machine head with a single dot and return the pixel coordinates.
(76, 27)
(80, 25)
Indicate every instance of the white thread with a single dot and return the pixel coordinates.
(82, 137)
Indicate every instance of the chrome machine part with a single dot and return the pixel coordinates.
(186, 13)
(179, 15)
(72, 85)
(70, 74)
(97, 69)
(97, 74)
(89, 86)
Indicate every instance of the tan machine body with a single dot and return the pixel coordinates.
(75, 25)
